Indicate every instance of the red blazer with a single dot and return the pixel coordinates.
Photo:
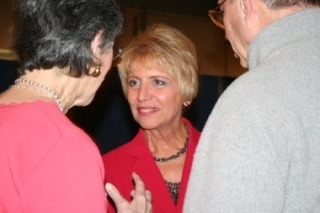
(135, 156)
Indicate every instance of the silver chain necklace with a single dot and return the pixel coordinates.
(42, 88)
(176, 155)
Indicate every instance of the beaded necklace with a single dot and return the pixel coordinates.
(176, 155)
(174, 188)
(41, 88)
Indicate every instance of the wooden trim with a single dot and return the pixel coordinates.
(7, 54)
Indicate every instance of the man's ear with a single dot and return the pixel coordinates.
(252, 13)
(96, 45)
(246, 8)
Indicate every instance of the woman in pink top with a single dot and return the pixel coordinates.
(47, 164)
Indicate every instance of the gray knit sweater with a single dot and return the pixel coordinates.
(260, 148)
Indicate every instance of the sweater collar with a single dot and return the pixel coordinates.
(286, 30)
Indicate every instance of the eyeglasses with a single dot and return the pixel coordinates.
(216, 15)
(116, 52)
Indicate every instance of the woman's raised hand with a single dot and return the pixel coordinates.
(141, 198)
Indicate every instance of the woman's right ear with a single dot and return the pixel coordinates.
(96, 45)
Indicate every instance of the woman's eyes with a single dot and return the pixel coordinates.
(155, 82)
(133, 82)
(159, 82)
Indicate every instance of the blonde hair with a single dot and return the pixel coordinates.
(168, 48)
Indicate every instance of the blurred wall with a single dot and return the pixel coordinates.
(214, 52)
(108, 119)
(5, 23)
(215, 55)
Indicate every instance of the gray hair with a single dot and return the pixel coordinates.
(277, 4)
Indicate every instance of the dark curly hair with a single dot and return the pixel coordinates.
(58, 33)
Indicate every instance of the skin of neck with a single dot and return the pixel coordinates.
(62, 84)
(166, 141)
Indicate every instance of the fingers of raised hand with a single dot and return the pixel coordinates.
(148, 196)
(139, 184)
(141, 195)
(141, 198)
(115, 195)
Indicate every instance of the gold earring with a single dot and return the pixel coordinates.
(97, 71)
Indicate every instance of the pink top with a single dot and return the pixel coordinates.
(47, 164)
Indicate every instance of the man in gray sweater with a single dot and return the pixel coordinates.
(260, 148)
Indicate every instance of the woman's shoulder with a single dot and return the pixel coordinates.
(131, 148)
(40, 121)
(120, 151)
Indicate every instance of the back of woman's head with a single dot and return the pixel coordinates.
(58, 33)
(168, 49)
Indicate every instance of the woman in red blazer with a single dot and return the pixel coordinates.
(158, 72)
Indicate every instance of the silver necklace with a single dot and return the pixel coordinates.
(42, 88)
(176, 155)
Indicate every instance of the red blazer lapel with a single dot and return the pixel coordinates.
(146, 168)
